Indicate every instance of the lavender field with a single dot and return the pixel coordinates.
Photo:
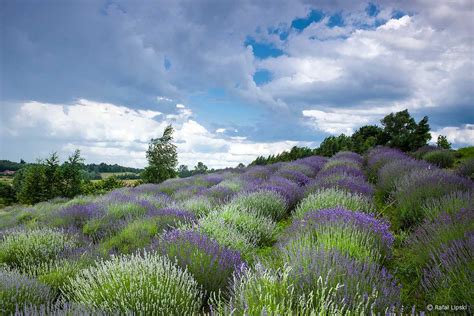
(385, 233)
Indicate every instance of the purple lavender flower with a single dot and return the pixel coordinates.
(450, 267)
(413, 189)
(349, 155)
(293, 175)
(77, 215)
(354, 279)
(211, 264)
(219, 194)
(314, 162)
(256, 173)
(363, 230)
(342, 170)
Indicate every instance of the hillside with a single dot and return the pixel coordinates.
(376, 231)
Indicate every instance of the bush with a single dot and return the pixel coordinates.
(258, 228)
(227, 235)
(466, 168)
(263, 202)
(450, 203)
(332, 198)
(23, 249)
(448, 277)
(18, 289)
(440, 158)
(415, 188)
(355, 234)
(199, 205)
(425, 244)
(141, 284)
(358, 283)
(211, 264)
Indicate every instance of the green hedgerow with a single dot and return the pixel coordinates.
(264, 202)
(22, 249)
(333, 198)
(140, 284)
(440, 158)
(18, 289)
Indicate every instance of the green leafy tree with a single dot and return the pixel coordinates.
(367, 137)
(333, 144)
(240, 166)
(53, 185)
(32, 188)
(162, 158)
(200, 168)
(71, 178)
(184, 172)
(404, 133)
(443, 142)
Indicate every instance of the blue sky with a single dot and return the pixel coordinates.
(237, 79)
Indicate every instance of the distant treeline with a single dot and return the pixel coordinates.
(399, 130)
(92, 168)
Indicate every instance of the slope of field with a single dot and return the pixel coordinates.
(382, 233)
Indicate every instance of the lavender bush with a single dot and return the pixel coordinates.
(355, 234)
(331, 198)
(211, 264)
(415, 188)
(138, 284)
(17, 289)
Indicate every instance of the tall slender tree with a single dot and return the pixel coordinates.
(162, 158)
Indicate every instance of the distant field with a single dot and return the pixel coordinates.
(109, 174)
(6, 179)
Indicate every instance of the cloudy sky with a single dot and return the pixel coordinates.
(237, 79)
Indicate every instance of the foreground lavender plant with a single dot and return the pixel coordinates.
(211, 264)
(418, 186)
(138, 284)
(353, 279)
(449, 276)
(18, 289)
(356, 234)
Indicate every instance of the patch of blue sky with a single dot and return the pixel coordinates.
(302, 23)
(263, 50)
(167, 63)
(217, 106)
(372, 9)
(335, 20)
(262, 76)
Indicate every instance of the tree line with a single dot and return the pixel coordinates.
(398, 130)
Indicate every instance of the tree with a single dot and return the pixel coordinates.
(366, 137)
(53, 185)
(184, 172)
(240, 166)
(71, 178)
(32, 188)
(162, 158)
(334, 144)
(200, 168)
(404, 133)
(443, 142)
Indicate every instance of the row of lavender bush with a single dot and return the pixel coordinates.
(288, 238)
(435, 209)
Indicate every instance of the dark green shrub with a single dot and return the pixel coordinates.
(440, 158)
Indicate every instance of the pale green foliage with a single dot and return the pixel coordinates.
(266, 203)
(16, 288)
(23, 249)
(199, 205)
(332, 198)
(142, 284)
(261, 291)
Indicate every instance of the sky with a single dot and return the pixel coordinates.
(236, 79)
